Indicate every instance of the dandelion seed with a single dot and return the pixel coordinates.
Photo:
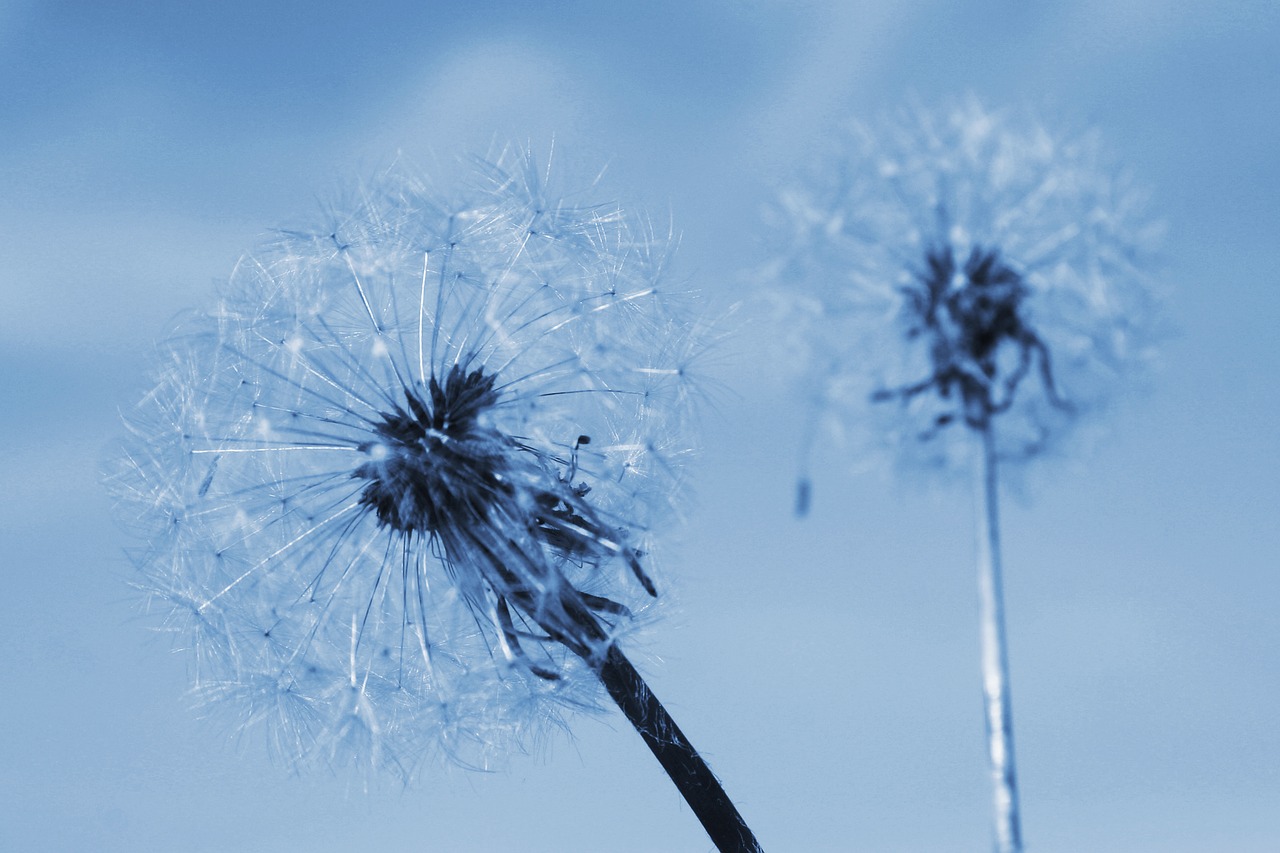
(965, 287)
(398, 488)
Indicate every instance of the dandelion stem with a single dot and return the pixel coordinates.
(691, 775)
(997, 706)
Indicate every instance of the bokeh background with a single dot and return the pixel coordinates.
(827, 667)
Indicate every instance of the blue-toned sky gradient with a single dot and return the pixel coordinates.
(827, 667)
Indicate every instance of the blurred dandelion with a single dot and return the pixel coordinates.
(962, 288)
(398, 488)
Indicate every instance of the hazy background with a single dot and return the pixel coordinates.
(828, 668)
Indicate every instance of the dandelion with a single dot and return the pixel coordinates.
(967, 286)
(398, 488)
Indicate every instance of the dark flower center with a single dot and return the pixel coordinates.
(971, 314)
(439, 467)
(436, 460)
(967, 315)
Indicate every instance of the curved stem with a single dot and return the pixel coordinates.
(997, 706)
(691, 775)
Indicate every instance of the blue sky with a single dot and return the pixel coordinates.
(828, 668)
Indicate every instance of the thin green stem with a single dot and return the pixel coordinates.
(997, 706)
(691, 775)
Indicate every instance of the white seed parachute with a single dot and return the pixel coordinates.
(396, 488)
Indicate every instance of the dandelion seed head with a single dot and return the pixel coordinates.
(952, 268)
(397, 488)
